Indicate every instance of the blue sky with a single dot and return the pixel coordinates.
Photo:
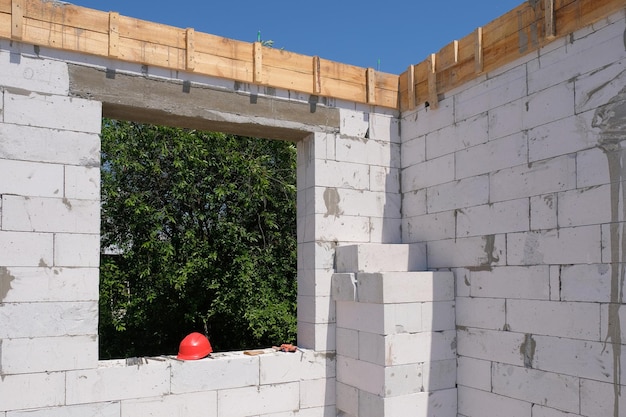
(360, 33)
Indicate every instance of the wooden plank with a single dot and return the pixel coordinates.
(478, 51)
(5, 6)
(17, 19)
(288, 60)
(154, 33)
(67, 15)
(287, 79)
(433, 96)
(227, 68)
(411, 87)
(258, 62)
(387, 98)
(549, 19)
(66, 38)
(317, 78)
(190, 62)
(448, 56)
(223, 47)
(114, 34)
(5, 25)
(152, 54)
(370, 75)
(346, 73)
(332, 87)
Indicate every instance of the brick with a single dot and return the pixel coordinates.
(437, 316)
(406, 348)
(385, 179)
(114, 380)
(477, 403)
(34, 144)
(429, 227)
(439, 375)
(545, 388)
(413, 152)
(543, 212)
(531, 282)
(304, 364)
(50, 215)
(482, 313)
(590, 283)
(491, 93)
(474, 252)
(598, 398)
(76, 250)
(182, 405)
(26, 249)
(55, 112)
(539, 178)
(553, 103)
(474, 373)
(405, 287)
(107, 409)
(583, 207)
(267, 399)
(458, 194)
(317, 393)
(492, 156)
(220, 371)
(48, 354)
(508, 216)
(573, 320)
(380, 257)
(347, 399)
(316, 309)
(348, 343)
(341, 175)
(422, 121)
(592, 168)
(490, 345)
(428, 173)
(354, 123)
(21, 320)
(31, 179)
(577, 130)
(33, 74)
(572, 245)
(82, 183)
(461, 135)
(17, 391)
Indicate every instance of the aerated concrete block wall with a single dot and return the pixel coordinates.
(516, 184)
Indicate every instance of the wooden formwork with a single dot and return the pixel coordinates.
(524, 29)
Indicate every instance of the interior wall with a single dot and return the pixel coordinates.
(516, 184)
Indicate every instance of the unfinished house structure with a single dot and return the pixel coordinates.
(461, 226)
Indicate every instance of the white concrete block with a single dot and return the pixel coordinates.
(372, 348)
(590, 283)
(347, 399)
(220, 371)
(573, 320)
(422, 121)
(26, 249)
(403, 380)
(405, 318)
(474, 373)
(28, 214)
(475, 252)
(507, 119)
(437, 316)
(55, 112)
(555, 283)
(406, 348)
(31, 179)
(428, 173)
(106, 409)
(414, 203)
(467, 192)
(343, 228)
(491, 93)
(82, 183)
(405, 287)
(27, 73)
(385, 230)
(531, 282)
(314, 309)
(599, 399)
(384, 127)
(541, 411)
(315, 282)
(114, 380)
(508, 216)
(30, 284)
(482, 313)
(266, 399)
(596, 88)
(545, 388)
(345, 202)
(48, 354)
(302, 365)
(365, 376)
(20, 392)
(545, 106)
(592, 168)
(542, 177)
(370, 405)
(348, 342)
(380, 257)
(367, 317)
(431, 404)
(572, 245)
(490, 345)
(181, 405)
(543, 212)
(413, 151)
(354, 123)
(584, 206)
(560, 137)
(34, 144)
(609, 314)
(429, 227)
(76, 250)
(341, 174)
(317, 254)
(344, 287)
(316, 336)
(477, 403)
(439, 375)
(21, 320)
(368, 151)
(385, 179)
(492, 156)
(317, 393)
(461, 135)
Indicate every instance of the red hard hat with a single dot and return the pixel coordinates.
(194, 346)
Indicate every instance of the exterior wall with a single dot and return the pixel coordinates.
(516, 185)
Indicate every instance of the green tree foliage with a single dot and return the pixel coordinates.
(203, 231)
